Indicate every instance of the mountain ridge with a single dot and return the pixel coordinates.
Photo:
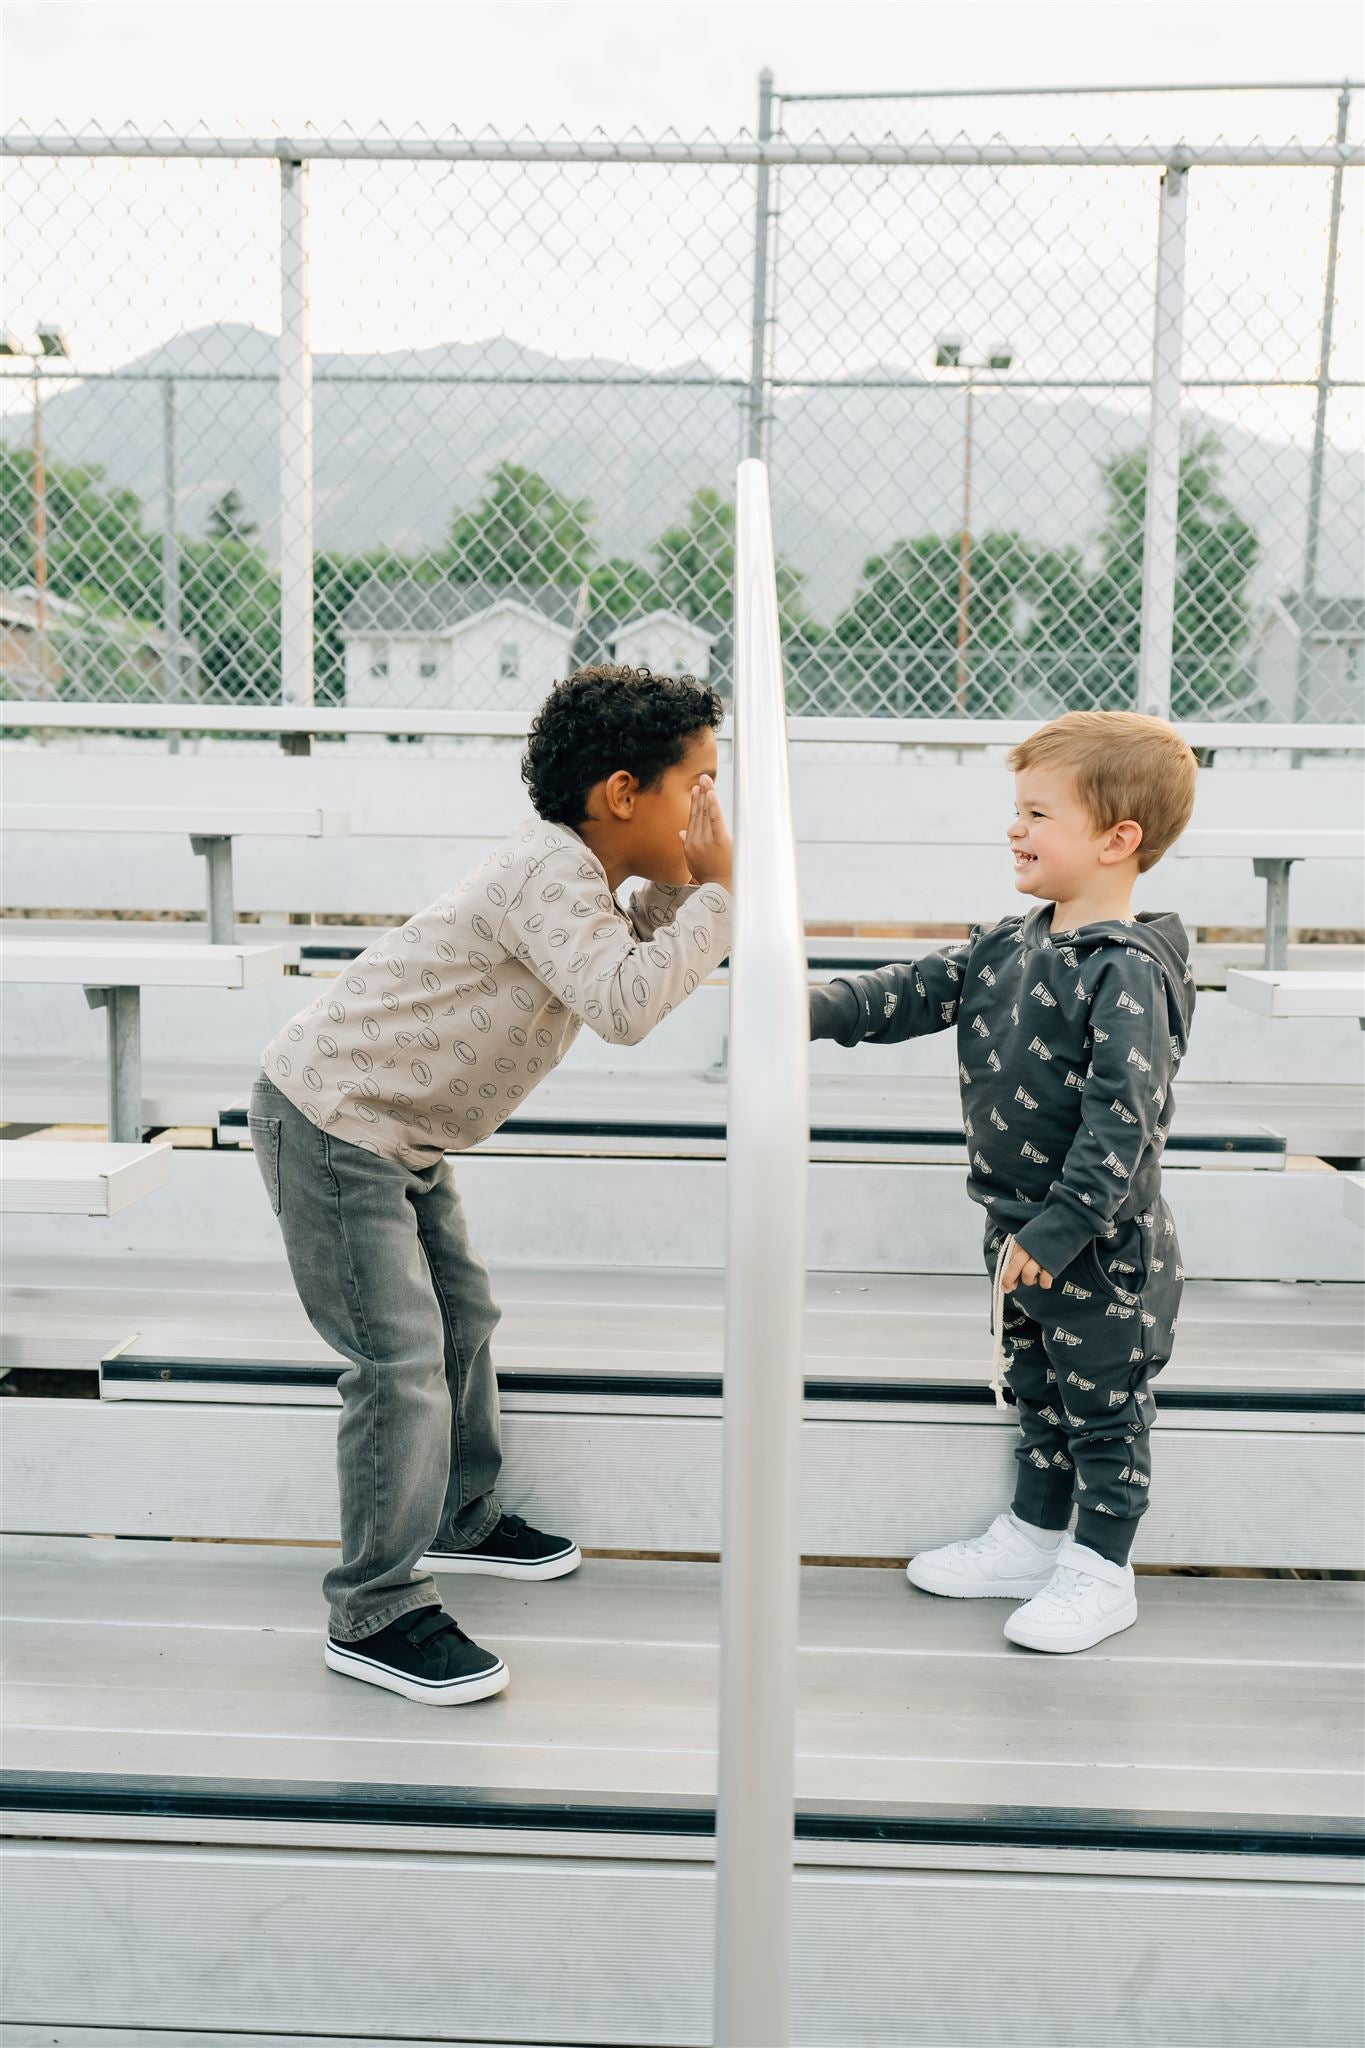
(397, 452)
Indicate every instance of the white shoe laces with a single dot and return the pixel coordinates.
(1063, 1592)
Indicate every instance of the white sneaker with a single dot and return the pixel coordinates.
(1004, 1564)
(1087, 1598)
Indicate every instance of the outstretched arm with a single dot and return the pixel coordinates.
(905, 1000)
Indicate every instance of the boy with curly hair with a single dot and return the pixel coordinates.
(435, 1034)
(1071, 1023)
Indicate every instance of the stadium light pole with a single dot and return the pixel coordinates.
(948, 356)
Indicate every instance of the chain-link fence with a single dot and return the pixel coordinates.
(417, 423)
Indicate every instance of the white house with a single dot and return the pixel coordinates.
(1334, 674)
(463, 647)
(665, 642)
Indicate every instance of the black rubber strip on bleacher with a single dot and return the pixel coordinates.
(670, 1130)
(461, 1807)
(132, 1371)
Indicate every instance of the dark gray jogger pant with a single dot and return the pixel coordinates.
(1081, 1354)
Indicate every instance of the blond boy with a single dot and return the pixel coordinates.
(1071, 1022)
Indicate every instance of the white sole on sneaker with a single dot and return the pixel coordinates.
(1018, 1631)
(557, 1567)
(451, 1692)
(952, 1587)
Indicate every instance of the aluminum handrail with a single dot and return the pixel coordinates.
(275, 719)
(598, 150)
(769, 1114)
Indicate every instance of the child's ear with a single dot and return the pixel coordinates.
(1121, 842)
(619, 792)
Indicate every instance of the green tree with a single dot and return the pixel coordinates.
(622, 589)
(521, 531)
(230, 606)
(99, 553)
(1048, 631)
(900, 631)
(696, 565)
(1216, 552)
(227, 519)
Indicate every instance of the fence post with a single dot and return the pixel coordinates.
(1161, 520)
(758, 340)
(174, 670)
(1303, 682)
(296, 441)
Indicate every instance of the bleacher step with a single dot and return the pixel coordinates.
(1241, 1342)
(967, 1811)
(641, 1473)
(209, 1661)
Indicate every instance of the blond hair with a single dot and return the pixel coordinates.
(1124, 765)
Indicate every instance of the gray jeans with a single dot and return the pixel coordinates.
(383, 1266)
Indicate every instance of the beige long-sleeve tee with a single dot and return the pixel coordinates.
(436, 1033)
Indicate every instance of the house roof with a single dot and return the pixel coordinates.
(1336, 618)
(709, 629)
(438, 608)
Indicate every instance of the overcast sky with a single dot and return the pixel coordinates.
(655, 64)
(126, 255)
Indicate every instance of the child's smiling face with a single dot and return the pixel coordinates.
(1055, 842)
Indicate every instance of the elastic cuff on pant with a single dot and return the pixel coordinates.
(1047, 1505)
(1107, 1534)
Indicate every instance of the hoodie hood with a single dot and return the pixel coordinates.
(1157, 934)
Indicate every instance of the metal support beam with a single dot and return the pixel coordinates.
(1161, 523)
(758, 338)
(123, 1010)
(296, 441)
(1275, 875)
(217, 853)
(1303, 681)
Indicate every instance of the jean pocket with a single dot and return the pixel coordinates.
(265, 1143)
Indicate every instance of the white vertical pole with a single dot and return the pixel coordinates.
(296, 442)
(1161, 528)
(769, 1121)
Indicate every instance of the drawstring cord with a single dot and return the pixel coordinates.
(999, 1356)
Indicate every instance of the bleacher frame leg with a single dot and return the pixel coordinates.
(123, 1007)
(217, 853)
(1275, 875)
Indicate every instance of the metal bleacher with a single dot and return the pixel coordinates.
(236, 1844)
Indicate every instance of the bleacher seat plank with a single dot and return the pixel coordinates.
(91, 963)
(78, 1179)
(205, 821)
(1314, 1117)
(1279, 992)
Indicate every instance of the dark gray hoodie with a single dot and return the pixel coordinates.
(1068, 1042)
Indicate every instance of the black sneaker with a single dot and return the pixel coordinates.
(514, 1550)
(424, 1655)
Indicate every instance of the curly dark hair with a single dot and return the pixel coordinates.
(603, 719)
